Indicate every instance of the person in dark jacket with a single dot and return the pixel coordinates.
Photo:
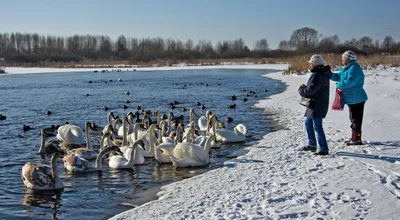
(351, 82)
(317, 89)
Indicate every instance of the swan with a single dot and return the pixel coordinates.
(203, 122)
(149, 139)
(228, 136)
(41, 176)
(85, 152)
(126, 147)
(78, 164)
(110, 121)
(191, 155)
(171, 138)
(70, 134)
(163, 151)
(52, 146)
(122, 162)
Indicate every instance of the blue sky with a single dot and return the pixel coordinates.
(203, 19)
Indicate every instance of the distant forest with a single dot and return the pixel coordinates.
(34, 48)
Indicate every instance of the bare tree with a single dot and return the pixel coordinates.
(304, 38)
(389, 44)
(285, 45)
(261, 45)
(365, 43)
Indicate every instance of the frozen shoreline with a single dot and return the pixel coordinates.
(275, 180)
(32, 70)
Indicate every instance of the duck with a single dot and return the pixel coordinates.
(245, 99)
(232, 106)
(76, 164)
(229, 120)
(47, 113)
(42, 177)
(234, 97)
(191, 155)
(2, 117)
(125, 161)
(26, 128)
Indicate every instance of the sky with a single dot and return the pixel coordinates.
(213, 20)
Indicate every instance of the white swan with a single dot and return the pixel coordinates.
(122, 162)
(77, 164)
(191, 155)
(71, 134)
(149, 140)
(171, 138)
(228, 136)
(126, 147)
(42, 177)
(85, 152)
(163, 151)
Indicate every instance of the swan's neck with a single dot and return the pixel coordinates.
(42, 142)
(131, 160)
(88, 145)
(151, 132)
(99, 159)
(136, 131)
(207, 145)
(158, 118)
(54, 170)
(169, 124)
(109, 119)
(190, 117)
(124, 131)
(178, 134)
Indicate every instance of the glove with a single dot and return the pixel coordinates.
(301, 87)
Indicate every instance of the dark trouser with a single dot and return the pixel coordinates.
(356, 112)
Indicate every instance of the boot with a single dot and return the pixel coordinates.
(356, 139)
(353, 137)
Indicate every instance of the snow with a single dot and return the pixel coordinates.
(275, 180)
(29, 70)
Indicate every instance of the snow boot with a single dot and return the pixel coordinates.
(356, 139)
(352, 137)
(309, 148)
(321, 153)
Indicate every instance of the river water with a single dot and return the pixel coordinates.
(71, 98)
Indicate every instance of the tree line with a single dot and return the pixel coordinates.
(34, 48)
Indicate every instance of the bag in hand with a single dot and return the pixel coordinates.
(338, 101)
(307, 102)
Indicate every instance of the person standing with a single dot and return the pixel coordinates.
(317, 89)
(351, 83)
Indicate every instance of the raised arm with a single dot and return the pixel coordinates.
(351, 80)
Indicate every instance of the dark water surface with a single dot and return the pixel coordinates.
(25, 98)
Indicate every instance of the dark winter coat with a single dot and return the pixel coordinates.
(318, 89)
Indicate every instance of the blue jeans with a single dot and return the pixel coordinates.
(314, 125)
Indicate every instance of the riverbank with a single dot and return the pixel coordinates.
(275, 180)
(32, 70)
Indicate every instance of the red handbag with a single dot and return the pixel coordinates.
(338, 101)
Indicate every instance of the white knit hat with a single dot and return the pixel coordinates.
(349, 56)
(316, 60)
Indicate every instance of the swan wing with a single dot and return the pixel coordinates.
(185, 162)
(202, 122)
(71, 134)
(139, 156)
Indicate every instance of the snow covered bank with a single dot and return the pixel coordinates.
(23, 70)
(276, 181)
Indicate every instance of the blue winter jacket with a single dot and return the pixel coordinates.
(351, 81)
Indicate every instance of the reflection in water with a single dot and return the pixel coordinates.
(49, 201)
(99, 195)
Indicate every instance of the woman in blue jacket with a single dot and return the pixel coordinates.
(351, 81)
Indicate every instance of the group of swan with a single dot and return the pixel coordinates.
(131, 141)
